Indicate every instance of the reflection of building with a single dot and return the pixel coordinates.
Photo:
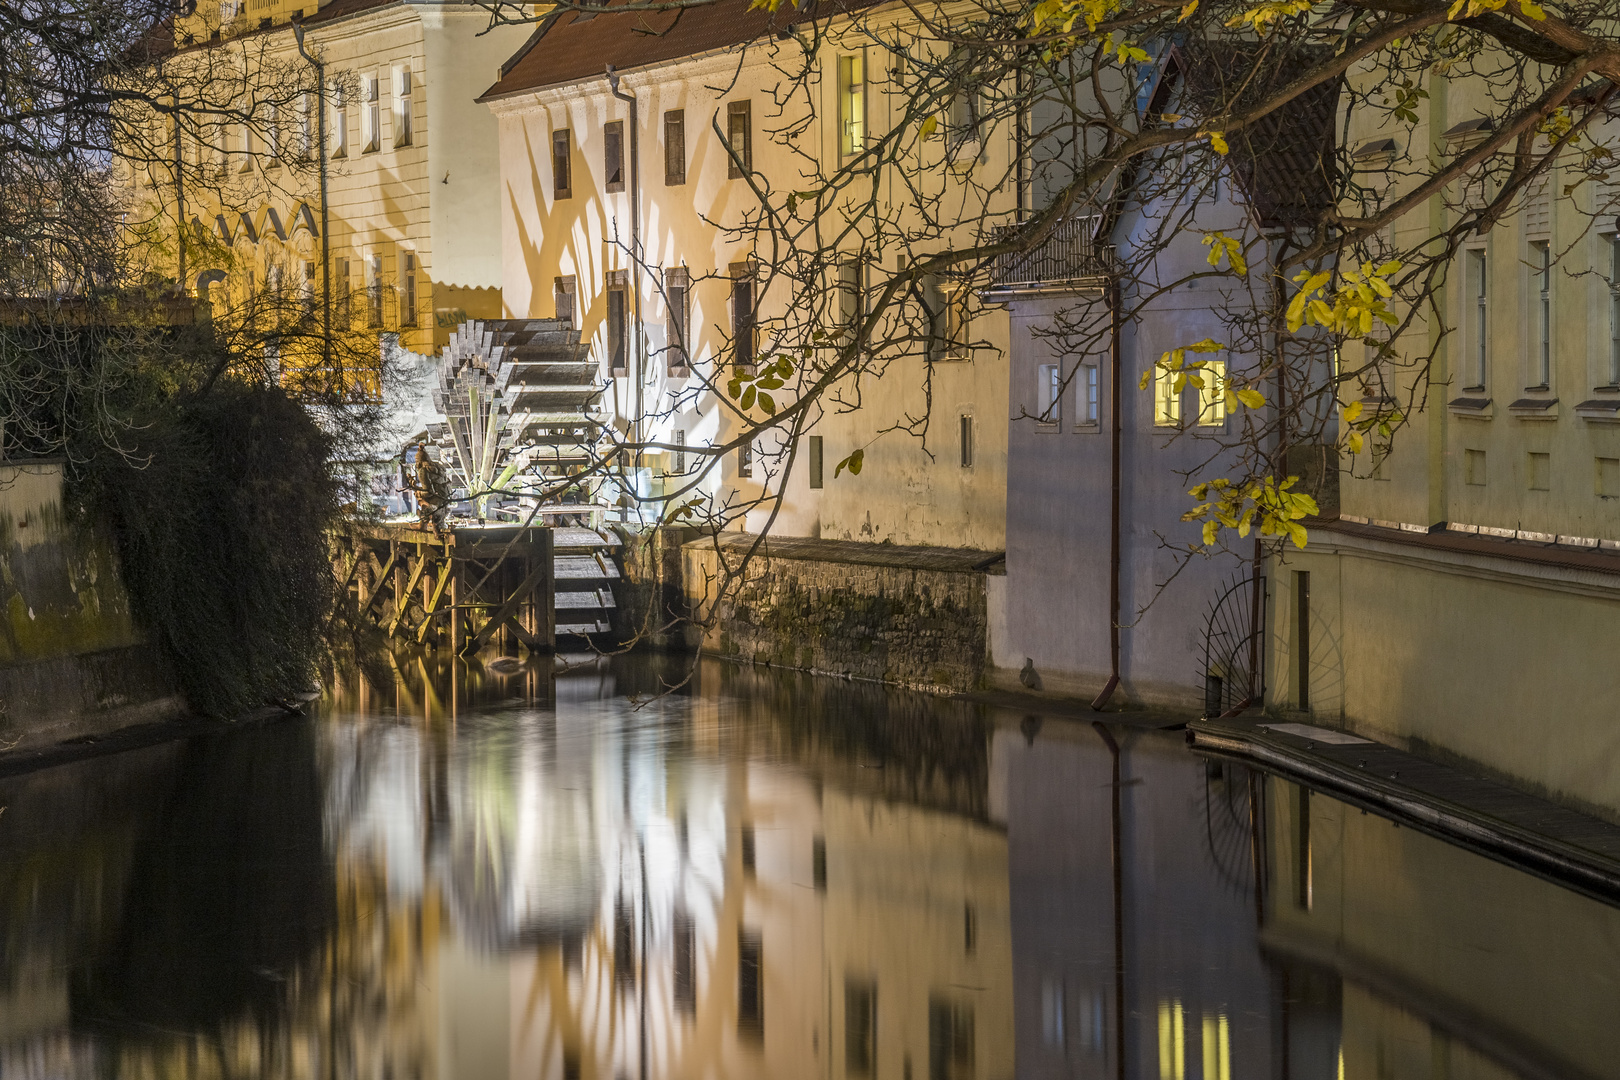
(1178, 923)
(1430, 961)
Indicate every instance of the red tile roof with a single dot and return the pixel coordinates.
(574, 45)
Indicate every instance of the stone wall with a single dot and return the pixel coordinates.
(71, 660)
(911, 616)
(651, 605)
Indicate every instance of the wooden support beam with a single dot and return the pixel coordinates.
(376, 589)
(433, 601)
(510, 608)
(405, 596)
(535, 644)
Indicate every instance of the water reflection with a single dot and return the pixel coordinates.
(455, 873)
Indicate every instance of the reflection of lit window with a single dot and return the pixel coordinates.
(685, 963)
(860, 1027)
(1172, 1041)
(1218, 1048)
(950, 1040)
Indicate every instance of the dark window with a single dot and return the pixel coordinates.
(675, 147)
(970, 929)
(563, 294)
(747, 844)
(860, 1027)
(685, 964)
(561, 172)
(743, 338)
(617, 337)
(816, 475)
(950, 1040)
(1302, 637)
(739, 135)
(676, 284)
(613, 155)
(745, 468)
(624, 943)
(964, 429)
(750, 986)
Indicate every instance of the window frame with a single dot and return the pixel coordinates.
(852, 85)
(1612, 240)
(1049, 396)
(407, 281)
(744, 283)
(561, 286)
(1212, 396)
(678, 321)
(562, 164)
(739, 120)
(674, 147)
(613, 156)
(371, 114)
(1088, 396)
(1476, 316)
(404, 106)
(1541, 323)
(617, 292)
(1167, 411)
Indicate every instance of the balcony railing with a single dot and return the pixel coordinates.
(1069, 254)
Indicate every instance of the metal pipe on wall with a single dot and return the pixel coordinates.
(636, 434)
(1114, 412)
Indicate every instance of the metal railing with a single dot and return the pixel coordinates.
(1069, 253)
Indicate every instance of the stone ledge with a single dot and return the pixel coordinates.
(858, 552)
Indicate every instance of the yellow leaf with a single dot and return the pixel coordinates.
(929, 126)
(1533, 10)
(1187, 9)
(1354, 441)
(1211, 528)
(1207, 345)
(1169, 117)
(1351, 412)
(1147, 377)
(1254, 399)
(1217, 142)
(1296, 533)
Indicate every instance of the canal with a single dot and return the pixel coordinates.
(459, 874)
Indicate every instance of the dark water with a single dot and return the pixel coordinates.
(757, 876)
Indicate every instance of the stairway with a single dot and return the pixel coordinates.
(586, 570)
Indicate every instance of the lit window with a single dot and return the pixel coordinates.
(851, 104)
(1048, 393)
(402, 107)
(1086, 390)
(1166, 401)
(1212, 395)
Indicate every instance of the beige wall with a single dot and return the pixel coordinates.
(901, 495)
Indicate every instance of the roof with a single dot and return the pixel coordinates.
(575, 45)
(331, 12)
(1285, 161)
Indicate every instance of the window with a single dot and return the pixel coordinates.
(860, 1027)
(244, 142)
(964, 439)
(340, 291)
(374, 288)
(745, 838)
(1302, 638)
(561, 160)
(1212, 395)
(1478, 320)
(851, 293)
(402, 107)
(1087, 404)
(407, 280)
(1048, 393)
(1614, 311)
(613, 155)
(962, 119)
(745, 469)
(950, 1040)
(307, 290)
(1538, 471)
(677, 323)
(1541, 269)
(685, 963)
(817, 476)
(744, 341)
(272, 136)
(618, 337)
(675, 148)
(340, 123)
(1474, 468)
(371, 117)
(306, 127)
(678, 458)
(1166, 401)
(851, 104)
(739, 134)
(750, 986)
(562, 292)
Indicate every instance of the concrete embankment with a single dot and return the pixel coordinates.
(72, 663)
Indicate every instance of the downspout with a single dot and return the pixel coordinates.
(179, 201)
(326, 233)
(635, 252)
(1114, 410)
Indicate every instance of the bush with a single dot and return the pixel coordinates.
(221, 512)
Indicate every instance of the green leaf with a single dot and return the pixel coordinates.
(767, 403)
(747, 401)
(852, 463)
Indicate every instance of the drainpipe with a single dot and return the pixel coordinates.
(635, 249)
(326, 233)
(1114, 467)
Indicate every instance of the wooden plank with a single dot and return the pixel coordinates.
(376, 590)
(535, 645)
(433, 602)
(405, 597)
(508, 609)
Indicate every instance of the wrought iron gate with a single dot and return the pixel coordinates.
(1234, 633)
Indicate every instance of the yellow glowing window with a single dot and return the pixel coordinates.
(1166, 402)
(1212, 396)
(851, 104)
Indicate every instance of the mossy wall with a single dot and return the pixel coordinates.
(71, 660)
(907, 623)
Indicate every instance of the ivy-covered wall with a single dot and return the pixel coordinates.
(71, 660)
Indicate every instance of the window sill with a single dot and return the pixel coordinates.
(614, 189)
(1091, 428)
(1534, 408)
(1047, 429)
(1470, 408)
(1599, 411)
